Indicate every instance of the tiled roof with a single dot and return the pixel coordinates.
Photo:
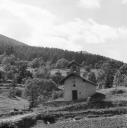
(76, 75)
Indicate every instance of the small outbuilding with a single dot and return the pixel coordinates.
(75, 86)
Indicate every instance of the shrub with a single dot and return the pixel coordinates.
(7, 125)
(97, 97)
(35, 88)
(117, 91)
(49, 119)
(18, 92)
(57, 94)
(11, 93)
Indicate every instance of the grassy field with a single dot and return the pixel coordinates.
(77, 114)
(8, 104)
(108, 122)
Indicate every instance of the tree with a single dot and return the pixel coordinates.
(47, 87)
(83, 63)
(34, 63)
(99, 64)
(87, 71)
(1, 57)
(101, 79)
(42, 72)
(31, 91)
(22, 73)
(110, 68)
(9, 60)
(57, 77)
(34, 88)
(92, 77)
(120, 78)
(117, 79)
(37, 62)
(62, 63)
(87, 68)
(9, 50)
(2, 75)
(85, 74)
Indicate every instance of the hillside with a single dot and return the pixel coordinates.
(9, 104)
(26, 52)
(4, 40)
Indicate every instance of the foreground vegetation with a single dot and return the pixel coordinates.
(9, 105)
(53, 120)
(28, 120)
(110, 122)
(81, 114)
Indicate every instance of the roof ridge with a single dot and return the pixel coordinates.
(74, 74)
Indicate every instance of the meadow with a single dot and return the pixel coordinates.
(7, 104)
(107, 122)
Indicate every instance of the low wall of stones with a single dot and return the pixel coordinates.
(29, 120)
(107, 122)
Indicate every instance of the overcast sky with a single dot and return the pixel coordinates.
(96, 26)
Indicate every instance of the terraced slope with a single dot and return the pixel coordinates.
(4, 40)
(7, 104)
(108, 122)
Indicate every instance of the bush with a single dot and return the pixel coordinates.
(49, 119)
(11, 93)
(18, 92)
(57, 94)
(36, 89)
(117, 92)
(97, 97)
(7, 125)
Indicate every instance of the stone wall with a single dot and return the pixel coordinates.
(107, 122)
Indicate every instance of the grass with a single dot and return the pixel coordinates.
(94, 114)
(114, 95)
(105, 122)
(8, 104)
(28, 120)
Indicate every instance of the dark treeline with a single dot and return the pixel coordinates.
(51, 54)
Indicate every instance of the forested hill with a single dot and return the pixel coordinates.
(25, 52)
(6, 41)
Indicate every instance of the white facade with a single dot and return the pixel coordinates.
(75, 88)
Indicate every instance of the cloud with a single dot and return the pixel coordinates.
(40, 27)
(91, 4)
(18, 20)
(124, 1)
(89, 32)
(33, 24)
(93, 37)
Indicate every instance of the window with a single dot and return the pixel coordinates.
(74, 85)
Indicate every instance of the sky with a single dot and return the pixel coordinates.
(95, 26)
